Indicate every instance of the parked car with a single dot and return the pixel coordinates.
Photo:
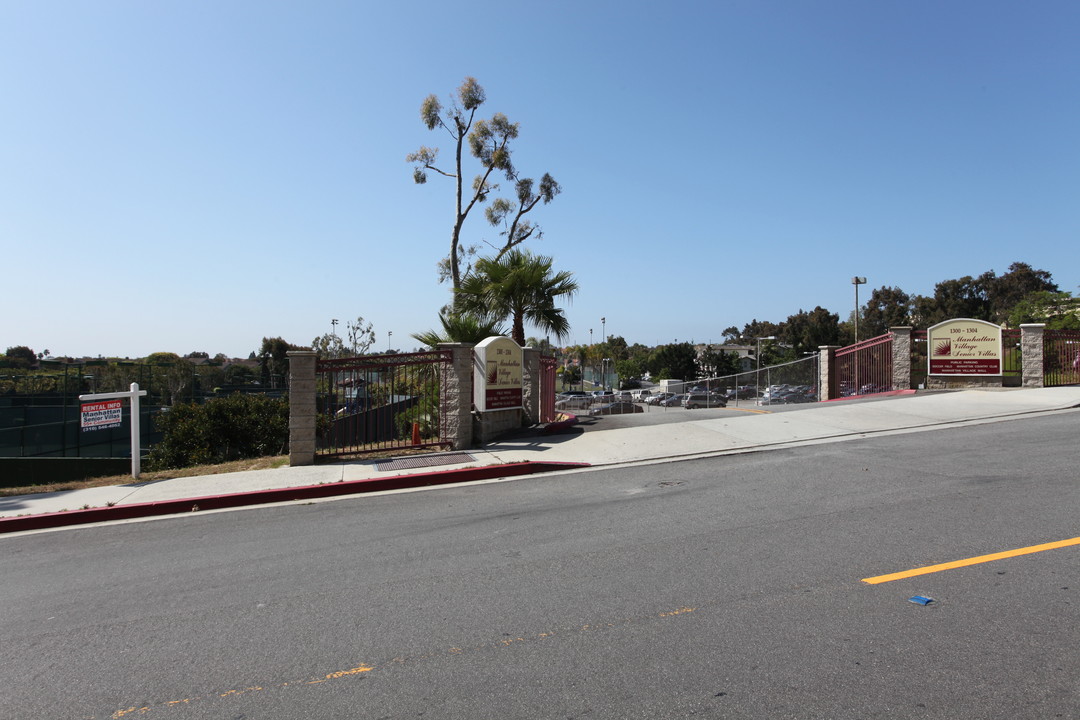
(658, 398)
(672, 401)
(619, 407)
(787, 397)
(574, 403)
(790, 395)
(742, 392)
(704, 400)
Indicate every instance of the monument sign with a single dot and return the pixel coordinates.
(497, 375)
(964, 347)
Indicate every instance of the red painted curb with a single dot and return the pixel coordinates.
(260, 497)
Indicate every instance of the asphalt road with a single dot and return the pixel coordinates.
(729, 587)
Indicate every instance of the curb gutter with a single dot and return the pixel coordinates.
(262, 497)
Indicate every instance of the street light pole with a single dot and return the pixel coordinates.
(757, 356)
(857, 281)
(593, 367)
(603, 328)
(389, 333)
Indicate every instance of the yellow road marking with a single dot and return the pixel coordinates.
(362, 668)
(354, 671)
(970, 561)
(680, 611)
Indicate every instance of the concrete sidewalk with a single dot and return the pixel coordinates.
(582, 446)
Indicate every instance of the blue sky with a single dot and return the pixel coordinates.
(197, 175)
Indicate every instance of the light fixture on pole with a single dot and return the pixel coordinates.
(389, 333)
(857, 281)
(591, 365)
(757, 356)
(603, 329)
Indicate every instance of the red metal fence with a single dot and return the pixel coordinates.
(1061, 357)
(547, 388)
(1012, 362)
(379, 402)
(863, 369)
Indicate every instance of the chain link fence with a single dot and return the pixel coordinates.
(783, 384)
(40, 409)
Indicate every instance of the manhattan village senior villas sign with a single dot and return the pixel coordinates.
(497, 375)
(964, 347)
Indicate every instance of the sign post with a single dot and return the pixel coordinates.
(99, 415)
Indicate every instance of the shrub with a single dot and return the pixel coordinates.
(234, 427)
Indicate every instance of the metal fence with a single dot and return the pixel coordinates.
(864, 368)
(380, 402)
(784, 384)
(40, 409)
(1061, 357)
(548, 366)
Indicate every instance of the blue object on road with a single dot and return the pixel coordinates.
(921, 600)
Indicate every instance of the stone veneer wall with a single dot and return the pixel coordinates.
(827, 356)
(901, 358)
(962, 382)
(301, 407)
(1031, 353)
(530, 381)
(491, 424)
(456, 396)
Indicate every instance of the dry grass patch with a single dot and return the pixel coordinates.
(263, 463)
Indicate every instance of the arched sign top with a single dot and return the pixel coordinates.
(497, 374)
(964, 346)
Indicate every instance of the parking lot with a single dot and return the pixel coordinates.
(654, 415)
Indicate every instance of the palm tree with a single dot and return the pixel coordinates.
(460, 327)
(522, 287)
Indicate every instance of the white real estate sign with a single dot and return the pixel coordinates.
(101, 415)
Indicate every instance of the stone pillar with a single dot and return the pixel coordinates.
(901, 358)
(456, 396)
(1031, 354)
(530, 385)
(826, 375)
(301, 407)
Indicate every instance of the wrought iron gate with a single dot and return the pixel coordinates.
(1061, 357)
(380, 402)
(864, 368)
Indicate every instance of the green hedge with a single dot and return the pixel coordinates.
(234, 427)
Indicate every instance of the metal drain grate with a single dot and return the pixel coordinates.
(422, 461)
